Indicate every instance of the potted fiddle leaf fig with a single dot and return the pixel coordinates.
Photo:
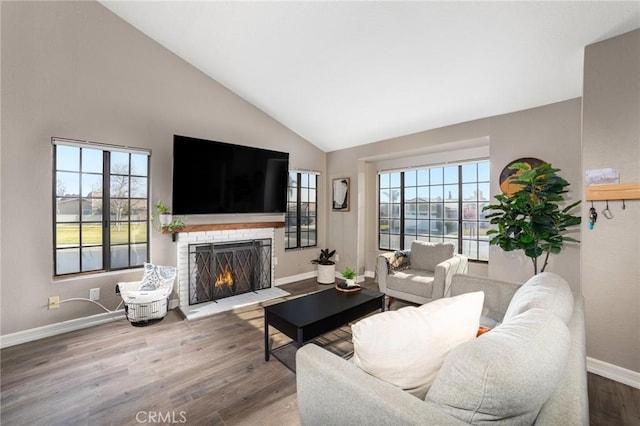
(531, 218)
(326, 267)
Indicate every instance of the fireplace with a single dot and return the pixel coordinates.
(221, 270)
(252, 285)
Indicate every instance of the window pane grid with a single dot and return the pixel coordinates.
(435, 204)
(301, 214)
(90, 221)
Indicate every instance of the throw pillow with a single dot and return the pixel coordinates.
(425, 255)
(398, 262)
(407, 347)
(482, 329)
(545, 291)
(505, 376)
(156, 276)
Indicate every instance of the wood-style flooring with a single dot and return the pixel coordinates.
(209, 371)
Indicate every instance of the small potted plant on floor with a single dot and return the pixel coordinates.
(350, 276)
(326, 267)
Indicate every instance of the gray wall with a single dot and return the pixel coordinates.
(611, 251)
(75, 70)
(551, 133)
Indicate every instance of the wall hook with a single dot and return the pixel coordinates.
(606, 212)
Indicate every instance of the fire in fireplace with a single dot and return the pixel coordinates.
(224, 278)
(219, 270)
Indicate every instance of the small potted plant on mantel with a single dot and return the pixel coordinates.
(326, 267)
(175, 225)
(164, 214)
(166, 220)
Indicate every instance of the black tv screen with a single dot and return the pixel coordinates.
(215, 177)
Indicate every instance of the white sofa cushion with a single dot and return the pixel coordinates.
(506, 375)
(547, 291)
(407, 347)
(425, 255)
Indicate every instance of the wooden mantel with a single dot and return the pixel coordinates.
(225, 227)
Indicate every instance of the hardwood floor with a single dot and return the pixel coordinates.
(612, 403)
(209, 371)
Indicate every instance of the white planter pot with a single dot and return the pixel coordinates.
(351, 282)
(165, 219)
(327, 274)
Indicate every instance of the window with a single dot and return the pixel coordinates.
(101, 204)
(435, 204)
(301, 217)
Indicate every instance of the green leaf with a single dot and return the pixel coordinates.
(519, 166)
(526, 239)
(571, 206)
(570, 239)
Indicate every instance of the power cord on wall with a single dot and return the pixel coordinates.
(83, 299)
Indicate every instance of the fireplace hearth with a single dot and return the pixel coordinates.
(221, 270)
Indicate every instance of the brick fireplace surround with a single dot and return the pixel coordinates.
(223, 233)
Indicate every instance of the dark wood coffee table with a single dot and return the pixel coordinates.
(309, 316)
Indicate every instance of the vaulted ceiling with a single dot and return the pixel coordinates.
(342, 74)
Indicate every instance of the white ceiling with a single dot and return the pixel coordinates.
(342, 74)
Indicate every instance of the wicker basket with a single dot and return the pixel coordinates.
(147, 306)
(141, 312)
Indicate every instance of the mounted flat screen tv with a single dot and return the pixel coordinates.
(215, 177)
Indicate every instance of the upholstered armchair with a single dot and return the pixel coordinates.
(424, 276)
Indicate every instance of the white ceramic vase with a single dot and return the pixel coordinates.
(165, 219)
(326, 274)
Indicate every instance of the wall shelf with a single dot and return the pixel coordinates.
(618, 191)
(226, 226)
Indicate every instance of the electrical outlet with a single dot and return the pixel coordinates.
(275, 260)
(94, 294)
(54, 302)
(337, 257)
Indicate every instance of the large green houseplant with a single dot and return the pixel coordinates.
(531, 218)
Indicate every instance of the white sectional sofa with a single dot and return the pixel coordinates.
(529, 369)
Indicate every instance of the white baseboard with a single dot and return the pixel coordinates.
(370, 274)
(613, 372)
(32, 334)
(294, 278)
